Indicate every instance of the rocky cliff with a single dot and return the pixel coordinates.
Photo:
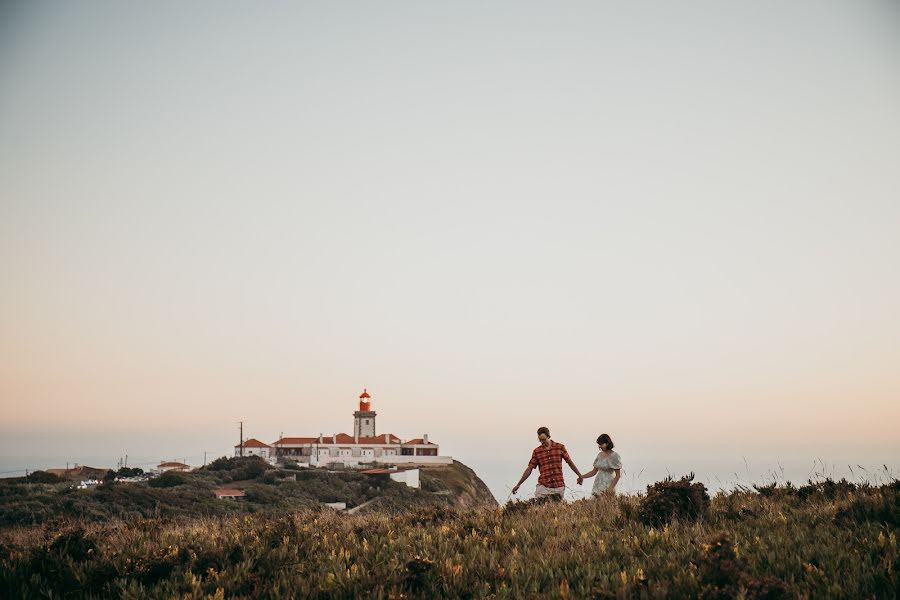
(460, 483)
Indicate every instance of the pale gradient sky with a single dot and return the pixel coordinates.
(675, 222)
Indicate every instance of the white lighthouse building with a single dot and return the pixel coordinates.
(366, 448)
(364, 418)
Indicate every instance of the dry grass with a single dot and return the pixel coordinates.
(830, 542)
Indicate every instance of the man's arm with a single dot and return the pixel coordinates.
(568, 459)
(525, 476)
(531, 465)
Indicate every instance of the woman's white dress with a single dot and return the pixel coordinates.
(605, 463)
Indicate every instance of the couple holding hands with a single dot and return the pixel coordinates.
(548, 458)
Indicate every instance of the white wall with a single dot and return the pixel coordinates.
(164, 469)
(410, 477)
(262, 452)
(350, 458)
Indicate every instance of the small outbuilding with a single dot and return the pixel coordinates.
(229, 494)
(172, 466)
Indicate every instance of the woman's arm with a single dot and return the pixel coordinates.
(612, 484)
(587, 475)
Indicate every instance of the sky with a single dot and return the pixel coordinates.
(676, 223)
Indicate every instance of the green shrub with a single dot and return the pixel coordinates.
(130, 472)
(263, 494)
(73, 543)
(168, 479)
(827, 489)
(237, 468)
(420, 574)
(43, 477)
(513, 507)
(882, 507)
(725, 575)
(773, 490)
(273, 476)
(674, 499)
(223, 463)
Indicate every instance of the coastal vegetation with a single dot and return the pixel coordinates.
(175, 495)
(832, 539)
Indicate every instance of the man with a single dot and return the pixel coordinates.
(548, 457)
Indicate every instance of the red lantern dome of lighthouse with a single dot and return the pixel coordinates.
(365, 402)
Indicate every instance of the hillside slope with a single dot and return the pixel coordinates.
(820, 541)
(455, 486)
(189, 495)
(462, 483)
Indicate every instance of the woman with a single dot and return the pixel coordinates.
(607, 468)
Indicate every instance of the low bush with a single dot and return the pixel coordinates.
(674, 499)
(130, 472)
(169, 479)
(882, 508)
(239, 468)
(264, 494)
(827, 489)
(43, 477)
(724, 575)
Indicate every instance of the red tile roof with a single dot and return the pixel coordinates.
(296, 440)
(228, 492)
(420, 441)
(379, 439)
(341, 438)
(253, 443)
(173, 464)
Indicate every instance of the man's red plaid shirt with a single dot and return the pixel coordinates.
(550, 462)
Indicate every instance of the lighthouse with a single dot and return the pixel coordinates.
(364, 418)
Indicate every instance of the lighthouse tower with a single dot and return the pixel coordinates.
(364, 418)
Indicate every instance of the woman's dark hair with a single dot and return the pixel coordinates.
(605, 439)
(544, 430)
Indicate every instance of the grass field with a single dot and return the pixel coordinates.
(824, 540)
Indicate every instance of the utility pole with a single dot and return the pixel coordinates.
(204, 458)
(241, 441)
(126, 461)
